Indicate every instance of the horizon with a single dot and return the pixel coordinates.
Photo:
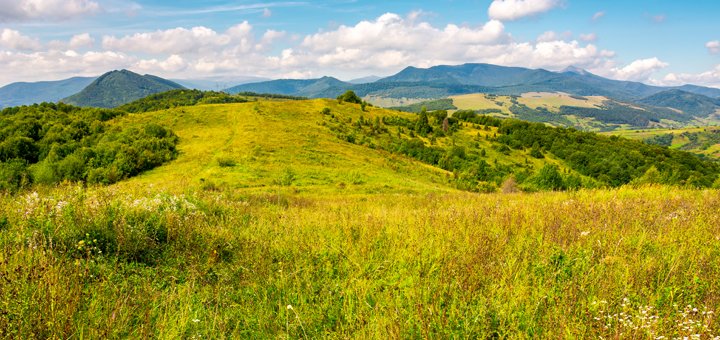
(45, 40)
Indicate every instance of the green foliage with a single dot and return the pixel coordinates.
(47, 143)
(610, 160)
(539, 115)
(349, 97)
(176, 98)
(587, 159)
(662, 140)
(432, 105)
(549, 178)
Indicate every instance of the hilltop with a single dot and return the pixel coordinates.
(120, 87)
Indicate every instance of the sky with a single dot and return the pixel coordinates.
(660, 42)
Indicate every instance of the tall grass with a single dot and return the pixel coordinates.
(100, 262)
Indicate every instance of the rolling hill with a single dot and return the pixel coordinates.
(116, 88)
(313, 88)
(314, 218)
(23, 93)
(687, 102)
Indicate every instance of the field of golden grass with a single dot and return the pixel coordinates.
(268, 226)
(108, 262)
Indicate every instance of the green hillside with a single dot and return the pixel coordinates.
(116, 88)
(277, 218)
(689, 103)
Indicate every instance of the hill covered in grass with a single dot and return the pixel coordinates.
(327, 145)
(116, 88)
(314, 218)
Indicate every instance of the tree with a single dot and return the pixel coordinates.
(422, 125)
(549, 178)
(350, 97)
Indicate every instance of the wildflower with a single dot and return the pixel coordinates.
(195, 320)
(585, 233)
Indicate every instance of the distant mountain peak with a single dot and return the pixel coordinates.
(115, 88)
(576, 70)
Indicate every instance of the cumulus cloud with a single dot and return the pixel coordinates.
(708, 78)
(14, 40)
(24, 10)
(266, 13)
(380, 46)
(509, 10)
(713, 46)
(639, 70)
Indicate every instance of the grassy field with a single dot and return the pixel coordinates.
(106, 262)
(260, 144)
(269, 226)
(550, 101)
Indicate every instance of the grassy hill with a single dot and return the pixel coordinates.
(116, 88)
(274, 144)
(315, 219)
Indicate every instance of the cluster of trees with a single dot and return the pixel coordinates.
(48, 143)
(540, 115)
(579, 159)
(175, 98)
(432, 105)
(610, 160)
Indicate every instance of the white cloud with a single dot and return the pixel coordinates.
(14, 40)
(23, 10)
(81, 40)
(384, 45)
(638, 70)
(509, 10)
(553, 36)
(266, 13)
(708, 78)
(713, 46)
(598, 15)
(54, 64)
(172, 64)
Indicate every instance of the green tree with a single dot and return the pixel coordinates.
(350, 97)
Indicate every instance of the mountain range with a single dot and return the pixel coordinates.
(442, 81)
(23, 93)
(116, 88)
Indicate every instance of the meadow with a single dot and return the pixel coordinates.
(270, 222)
(101, 262)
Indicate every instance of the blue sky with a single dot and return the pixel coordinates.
(655, 41)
